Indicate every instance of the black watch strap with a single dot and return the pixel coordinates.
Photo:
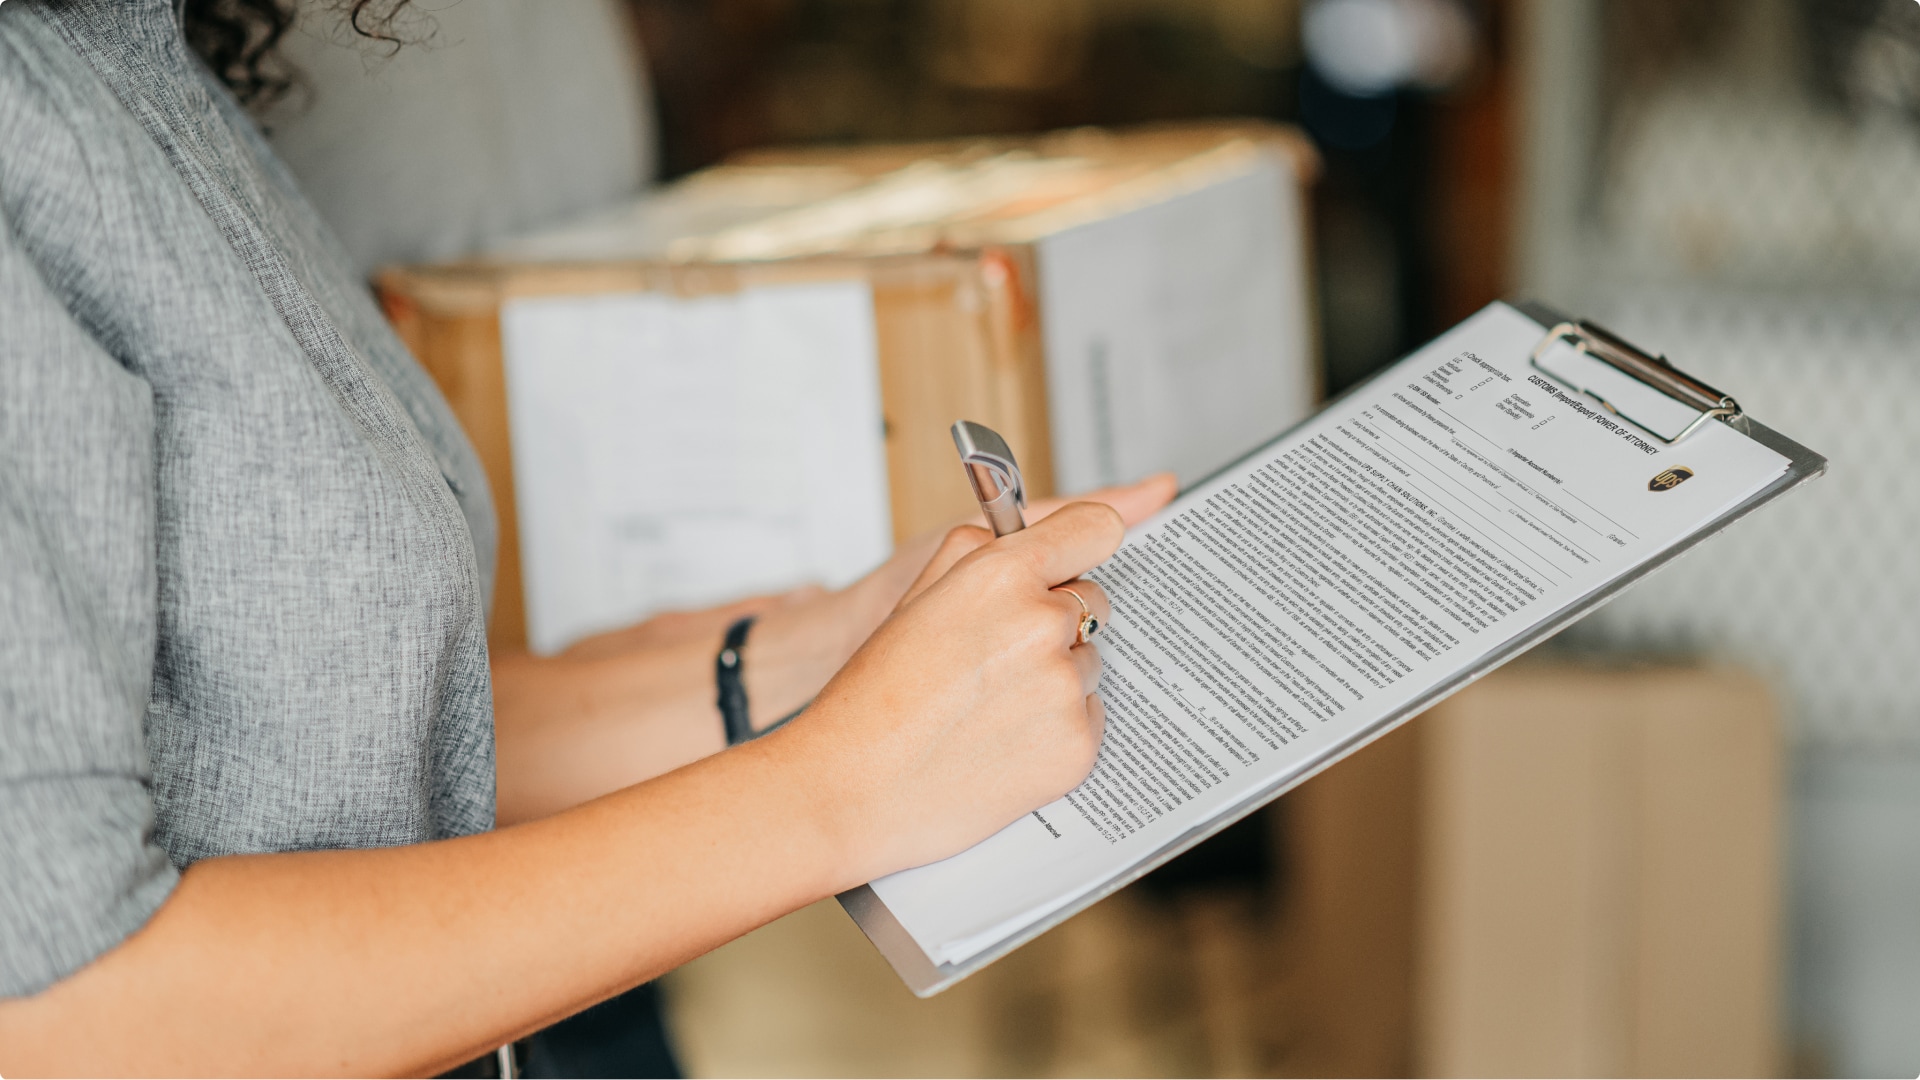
(733, 692)
(734, 715)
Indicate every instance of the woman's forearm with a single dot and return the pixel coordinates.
(637, 703)
(411, 960)
(572, 728)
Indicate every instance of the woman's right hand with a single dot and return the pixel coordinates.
(971, 705)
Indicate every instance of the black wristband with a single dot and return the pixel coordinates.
(734, 715)
(733, 692)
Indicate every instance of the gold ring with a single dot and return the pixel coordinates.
(1089, 625)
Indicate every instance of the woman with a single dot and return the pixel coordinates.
(247, 726)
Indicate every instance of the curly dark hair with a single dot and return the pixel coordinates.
(238, 39)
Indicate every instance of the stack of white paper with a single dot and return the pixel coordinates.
(1323, 585)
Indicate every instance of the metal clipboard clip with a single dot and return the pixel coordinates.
(1654, 371)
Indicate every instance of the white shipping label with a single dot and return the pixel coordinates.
(673, 452)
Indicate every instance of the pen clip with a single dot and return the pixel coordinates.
(994, 474)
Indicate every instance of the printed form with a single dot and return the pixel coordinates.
(1336, 575)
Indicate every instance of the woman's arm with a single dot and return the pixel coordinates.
(625, 706)
(411, 960)
(969, 707)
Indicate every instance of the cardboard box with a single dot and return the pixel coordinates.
(1566, 869)
(1601, 876)
(1113, 303)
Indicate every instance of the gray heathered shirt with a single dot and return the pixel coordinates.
(240, 603)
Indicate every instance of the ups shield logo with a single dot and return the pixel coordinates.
(1670, 479)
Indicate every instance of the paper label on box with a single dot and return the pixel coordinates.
(677, 452)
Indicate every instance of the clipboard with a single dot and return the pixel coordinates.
(926, 978)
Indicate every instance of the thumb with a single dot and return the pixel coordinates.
(960, 541)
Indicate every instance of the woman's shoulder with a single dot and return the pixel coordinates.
(42, 85)
(74, 164)
(47, 86)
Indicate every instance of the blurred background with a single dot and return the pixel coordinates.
(1735, 184)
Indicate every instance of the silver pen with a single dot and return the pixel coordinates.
(994, 474)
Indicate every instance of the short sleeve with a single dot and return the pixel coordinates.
(79, 870)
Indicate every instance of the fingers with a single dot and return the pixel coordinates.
(1097, 720)
(805, 594)
(960, 541)
(1086, 660)
(1136, 502)
(1072, 540)
(672, 627)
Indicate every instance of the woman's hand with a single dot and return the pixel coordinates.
(620, 707)
(883, 589)
(800, 640)
(973, 704)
